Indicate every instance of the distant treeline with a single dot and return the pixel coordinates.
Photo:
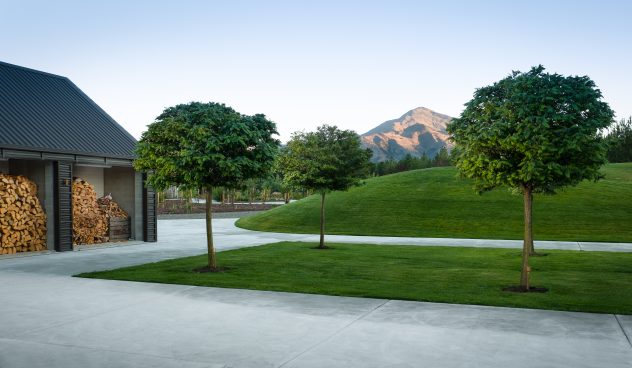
(411, 163)
(619, 139)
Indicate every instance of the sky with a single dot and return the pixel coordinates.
(354, 64)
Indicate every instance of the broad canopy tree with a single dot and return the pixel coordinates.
(328, 159)
(534, 132)
(206, 145)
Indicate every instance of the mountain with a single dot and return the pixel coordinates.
(418, 131)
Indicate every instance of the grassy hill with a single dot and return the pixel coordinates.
(436, 203)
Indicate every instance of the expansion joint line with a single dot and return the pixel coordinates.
(623, 330)
(332, 335)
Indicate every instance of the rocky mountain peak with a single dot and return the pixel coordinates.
(419, 131)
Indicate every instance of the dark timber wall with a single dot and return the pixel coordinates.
(150, 221)
(63, 206)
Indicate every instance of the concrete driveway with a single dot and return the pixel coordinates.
(48, 319)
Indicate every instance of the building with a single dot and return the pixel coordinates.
(50, 132)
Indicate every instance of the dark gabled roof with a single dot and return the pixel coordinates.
(46, 112)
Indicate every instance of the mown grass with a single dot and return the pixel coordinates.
(577, 281)
(436, 203)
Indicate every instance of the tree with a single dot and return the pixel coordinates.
(442, 158)
(206, 145)
(534, 132)
(276, 181)
(619, 139)
(326, 160)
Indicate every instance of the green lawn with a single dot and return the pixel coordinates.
(577, 281)
(436, 203)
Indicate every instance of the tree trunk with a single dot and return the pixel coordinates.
(321, 245)
(212, 261)
(189, 198)
(527, 246)
(531, 247)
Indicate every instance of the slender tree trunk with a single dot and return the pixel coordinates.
(531, 247)
(212, 261)
(322, 221)
(528, 238)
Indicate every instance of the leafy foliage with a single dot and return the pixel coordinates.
(325, 160)
(206, 144)
(534, 130)
(619, 140)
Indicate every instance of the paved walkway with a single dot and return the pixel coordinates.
(48, 319)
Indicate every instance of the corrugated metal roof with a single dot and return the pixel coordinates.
(46, 112)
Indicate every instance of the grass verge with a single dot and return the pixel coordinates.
(577, 281)
(436, 203)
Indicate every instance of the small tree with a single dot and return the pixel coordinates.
(326, 160)
(534, 132)
(619, 139)
(442, 158)
(206, 145)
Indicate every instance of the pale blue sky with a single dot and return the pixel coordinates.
(350, 63)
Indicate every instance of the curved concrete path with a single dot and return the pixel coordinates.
(227, 227)
(48, 319)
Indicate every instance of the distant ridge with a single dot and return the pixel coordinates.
(419, 131)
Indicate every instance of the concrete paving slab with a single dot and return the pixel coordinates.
(50, 319)
(626, 325)
(243, 328)
(240, 328)
(31, 302)
(554, 324)
(369, 343)
(410, 334)
(607, 247)
(22, 354)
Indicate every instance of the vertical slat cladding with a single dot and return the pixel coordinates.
(63, 206)
(150, 219)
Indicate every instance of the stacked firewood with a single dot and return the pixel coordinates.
(22, 219)
(89, 224)
(91, 216)
(111, 208)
